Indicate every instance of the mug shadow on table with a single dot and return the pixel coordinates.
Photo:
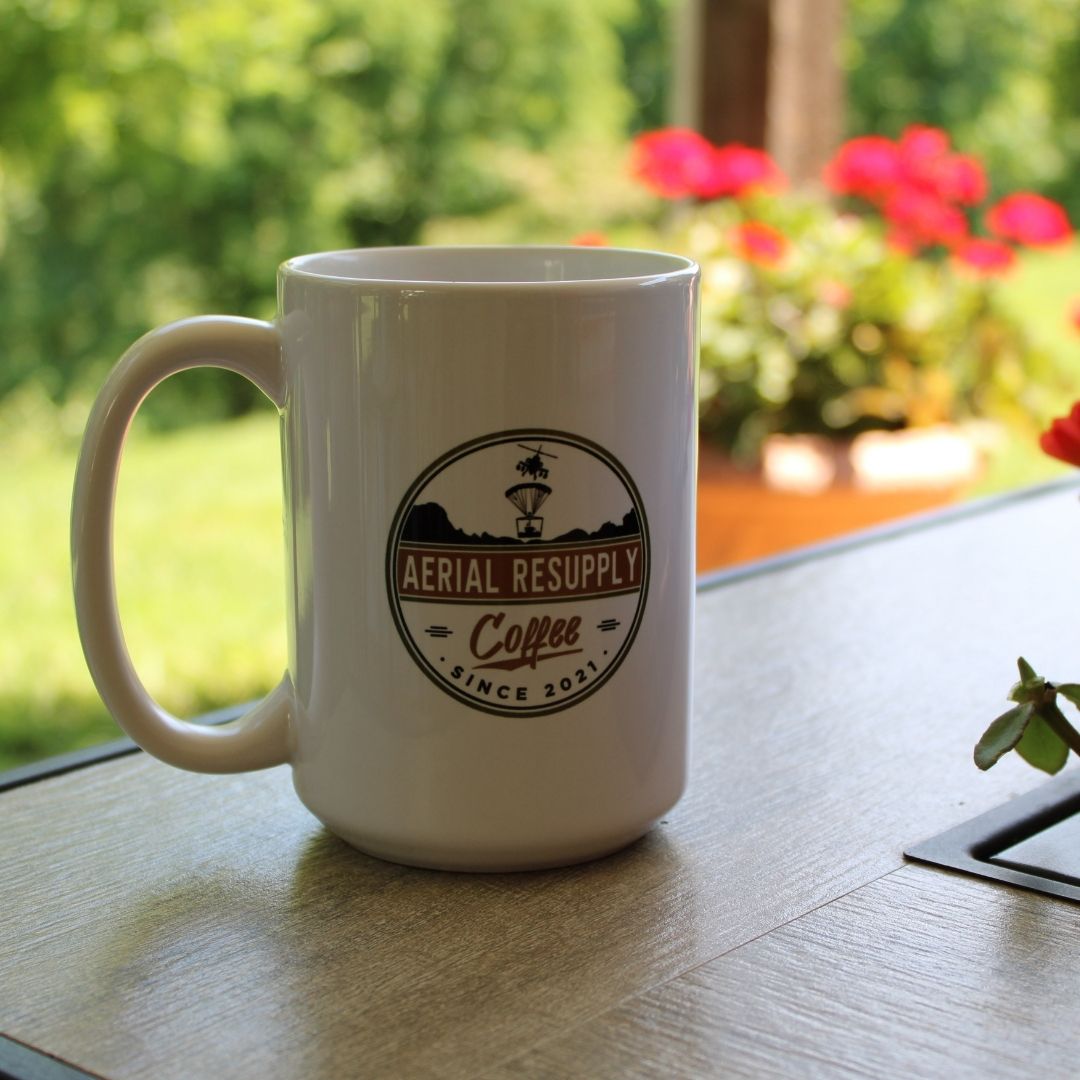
(344, 950)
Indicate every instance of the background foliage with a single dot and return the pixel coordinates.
(840, 333)
(1001, 76)
(159, 157)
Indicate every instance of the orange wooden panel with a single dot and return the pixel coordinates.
(739, 519)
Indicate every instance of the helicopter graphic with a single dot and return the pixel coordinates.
(534, 466)
(530, 496)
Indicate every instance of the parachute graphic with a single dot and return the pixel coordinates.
(528, 498)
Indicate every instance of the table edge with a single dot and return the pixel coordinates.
(74, 760)
(21, 1062)
(59, 764)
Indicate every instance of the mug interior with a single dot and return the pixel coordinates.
(490, 265)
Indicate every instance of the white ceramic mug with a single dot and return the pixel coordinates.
(489, 469)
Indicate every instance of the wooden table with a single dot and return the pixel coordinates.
(161, 924)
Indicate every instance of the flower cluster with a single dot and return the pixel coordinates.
(678, 163)
(926, 193)
(869, 310)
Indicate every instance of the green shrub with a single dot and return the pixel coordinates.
(158, 158)
(876, 309)
(843, 333)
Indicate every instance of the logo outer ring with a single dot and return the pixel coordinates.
(447, 459)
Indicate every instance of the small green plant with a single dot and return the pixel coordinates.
(1035, 726)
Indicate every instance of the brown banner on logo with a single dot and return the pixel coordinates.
(527, 573)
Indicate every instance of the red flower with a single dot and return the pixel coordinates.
(922, 151)
(590, 239)
(868, 167)
(927, 164)
(877, 168)
(759, 243)
(738, 169)
(961, 179)
(674, 162)
(925, 218)
(920, 143)
(1074, 315)
(1030, 219)
(1063, 439)
(985, 257)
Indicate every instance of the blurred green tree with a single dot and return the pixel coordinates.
(988, 71)
(159, 157)
(1065, 81)
(646, 35)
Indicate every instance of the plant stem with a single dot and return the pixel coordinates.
(1060, 726)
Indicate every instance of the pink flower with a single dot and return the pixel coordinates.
(1030, 219)
(590, 239)
(876, 169)
(759, 243)
(1062, 440)
(927, 163)
(738, 170)
(925, 218)
(868, 167)
(920, 142)
(677, 162)
(961, 179)
(986, 257)
(922, 149)
(674, 162)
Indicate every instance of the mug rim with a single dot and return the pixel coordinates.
(669, 267)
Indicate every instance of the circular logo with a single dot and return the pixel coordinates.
(517, 570)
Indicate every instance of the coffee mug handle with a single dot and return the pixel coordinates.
(261, 737)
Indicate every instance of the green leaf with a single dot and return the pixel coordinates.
(1002, 735)
(1070, 691)
(1042, 747)
(1031, 686)
(1027, 672)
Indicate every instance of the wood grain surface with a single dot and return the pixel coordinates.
(162, 924)
(921, 973)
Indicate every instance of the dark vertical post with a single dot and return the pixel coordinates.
(766, 73)
(735, 44)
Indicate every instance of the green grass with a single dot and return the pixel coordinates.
(199, 576)
(1040, 294)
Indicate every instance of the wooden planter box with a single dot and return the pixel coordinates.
(810, 489)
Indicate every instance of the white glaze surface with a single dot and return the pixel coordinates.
(382, 379)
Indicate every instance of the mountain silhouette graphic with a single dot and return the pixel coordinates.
(429, 523)
(608, 531)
